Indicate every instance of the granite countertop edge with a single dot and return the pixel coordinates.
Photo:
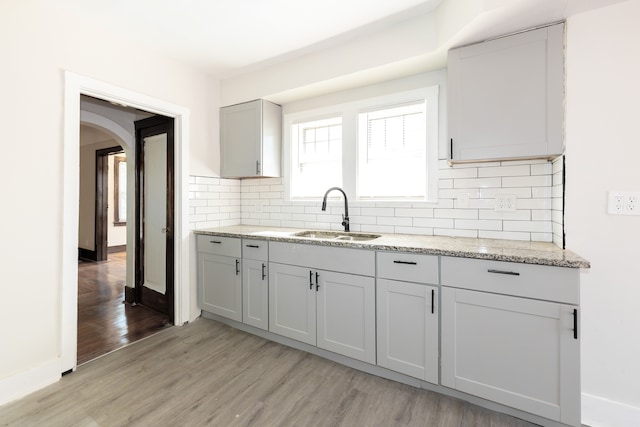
(538, 253)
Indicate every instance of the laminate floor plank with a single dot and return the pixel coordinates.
(209, 374)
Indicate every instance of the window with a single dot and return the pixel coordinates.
(376, 149)
(317, 156)
(120, 191)
(392, 153)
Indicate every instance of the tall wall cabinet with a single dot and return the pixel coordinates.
(250, 139)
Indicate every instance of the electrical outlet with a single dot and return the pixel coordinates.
(505, 203)
(624, 203)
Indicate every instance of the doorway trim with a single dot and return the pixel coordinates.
(76, 85)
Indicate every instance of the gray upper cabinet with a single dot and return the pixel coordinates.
(506, 97)
(250, 140)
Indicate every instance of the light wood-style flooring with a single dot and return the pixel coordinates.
(105, 323)
(209, 374)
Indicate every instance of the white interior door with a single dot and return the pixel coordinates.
(155, 212)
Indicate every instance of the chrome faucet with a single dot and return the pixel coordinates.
(345, 217)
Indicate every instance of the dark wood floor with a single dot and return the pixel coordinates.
(105, 323)
(209, 374)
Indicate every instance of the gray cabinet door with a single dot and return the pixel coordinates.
(516, 351)
(220, 285)
(346, 320)
(505, 97)
(255, 293)
(240, 139)
(408, 328)
(250, 139)
(292, 302)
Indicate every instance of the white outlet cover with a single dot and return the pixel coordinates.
(506, 202)
(624, 203)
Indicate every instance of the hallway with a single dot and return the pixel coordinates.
(105, 323)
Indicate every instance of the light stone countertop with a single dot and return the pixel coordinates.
(489, 249)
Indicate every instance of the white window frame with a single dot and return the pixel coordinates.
(349, 112)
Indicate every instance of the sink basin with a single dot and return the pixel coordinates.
(337, 235)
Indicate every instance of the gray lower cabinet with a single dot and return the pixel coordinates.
(522, 352)
(333, 311)
(408, 328)
(255, 283)
(407, 314)
(219, 276)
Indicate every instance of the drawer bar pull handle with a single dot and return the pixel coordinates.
(433, 301)
(509, 273)
(217, 242)
(575, 323)
(253, 246)
(405, 262)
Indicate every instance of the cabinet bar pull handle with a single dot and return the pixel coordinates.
(217, 242)
(405, 262)
(310, 279)
(253, 246)
(263, 271)
(575, 323)
(433, 301)
(509, 273)
(257, 167)
(317, 285)
(237, 267)
(451, 149)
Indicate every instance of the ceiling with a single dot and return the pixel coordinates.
(225, 36)
(228, 38)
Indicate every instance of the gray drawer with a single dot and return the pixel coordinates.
(227, 246)
(543, 282)
(255, 249)
(407, 267)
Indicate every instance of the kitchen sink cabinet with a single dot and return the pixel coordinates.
(250, 139)
(219, 276)
(522, 352)
(332, 310)
(505, 97)
(255, 283)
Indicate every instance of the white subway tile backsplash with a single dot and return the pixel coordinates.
(465, 205)
(477, 183)
(527, 181)
(520, 170)
(542, 169)
(456, 213)
(519, 215)
(433, 222)
(530, 226)
(472, 224)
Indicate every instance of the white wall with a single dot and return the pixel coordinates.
(603, 154)
(39, 40)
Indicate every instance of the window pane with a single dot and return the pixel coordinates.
(392, 160)
(316, 157)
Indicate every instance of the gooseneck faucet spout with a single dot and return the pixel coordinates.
(345, 217)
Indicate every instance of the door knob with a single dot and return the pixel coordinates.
(165, 230)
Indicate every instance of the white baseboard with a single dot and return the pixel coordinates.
(601, 412)
(19, 385)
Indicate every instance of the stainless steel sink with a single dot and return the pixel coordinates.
(337, 235)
